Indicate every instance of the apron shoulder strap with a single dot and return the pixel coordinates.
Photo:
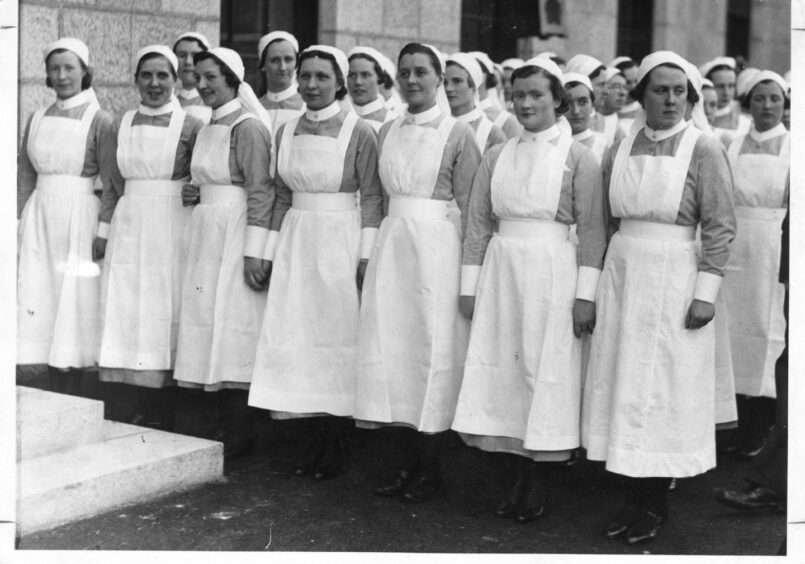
(284, 155)
(482, 134)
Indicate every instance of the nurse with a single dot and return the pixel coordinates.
(509, 66)
(277, 52)
(185, 48)
(631, 107)
(64, 148)
(461, 77)
(760, 165)
(142, 274)
(227, 267)
(649, 406)
(306, 359)
(581, 100)
(722, 72)
(535, 293)
(365, 79)
(500, 117)
(597, 73)
(412, 338)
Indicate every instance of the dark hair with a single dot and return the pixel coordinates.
(746, 98)
(153, 55)
(413, 48)
(573, 84)
(625, 65)
(263, 55)
(639, 91)
(557, 89)
(199, 43)
(383, 78)
(86, 80)
(491, 80)
(310, 54)
(470, 81)
(558, 60)
(720, 68)
(593, 75)
(231, 79)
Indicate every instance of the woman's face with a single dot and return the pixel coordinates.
(666, 97)
(460, 95)
(766, 104)
(155, 82)
(279, 65)
(317, 82)
(418, 81)
(724, 83)
(362, 81)
(184, 51)
(65, 73)
(615, 93)
(534, 104)
(212, 84)
(709, 103)
(581, 108)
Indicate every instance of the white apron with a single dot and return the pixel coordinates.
(413, 339)
(220, 314)
(58, 284)
(753, 291)
(482, 132)
(204, 113)
(306, 358)
(649, 396)
(141, 284)
(522, 376)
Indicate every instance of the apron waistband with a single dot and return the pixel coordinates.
(65, 183)
(150, 187)
(658, 231)
(547, 229)
(222, 194)
(764, 214)
(418, 208)
(325, 201)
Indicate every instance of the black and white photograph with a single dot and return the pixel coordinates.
(391, 280)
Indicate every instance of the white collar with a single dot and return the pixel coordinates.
(725, 111)
(324, 113)
(228, 108)
(149, 111)
(630, 107)
(73, 101)
(283, 94)
(470, 116)
(545, 135)
(660, 134)
(775, 131)
(370, 108)
(586, 134)
(486, 103)
(423, 117)
(187, 94)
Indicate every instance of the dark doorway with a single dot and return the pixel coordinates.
(635, 25)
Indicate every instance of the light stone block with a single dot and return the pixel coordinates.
(328, 17)
(117, 99)
(147, 30)
(146, 6)
(401, 19)
(360, 15)
(32, 96)
(106, 34)
(39, 26)
(210, 8)
(441, 22)
(211, 30)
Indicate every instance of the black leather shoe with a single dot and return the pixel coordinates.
(750, 450)
(753, 497)
(527, 514)
(621, 522)
(396, 487)
(421, 489)
(644, 528)
(507, 508)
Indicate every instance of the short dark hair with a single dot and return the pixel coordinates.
(310, 54)
(152, 55)
(557, 89)
(625, 65)
(413, 48)
(593, 75)
(263, 55)
(231, 79)
(470, 81)
(639, 91)
(746, 98)
(383, 78)
(558, 60)
(198, 42)
(573, 84)
(86, 80)
(720, 68)
(491, 79)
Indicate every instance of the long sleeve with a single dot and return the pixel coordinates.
(252, 144)
(26, 174)
(465, 165)
(589, 211)
(612, 222)
(366, 172)
(283, 194)
(112, 191)
(480, 218)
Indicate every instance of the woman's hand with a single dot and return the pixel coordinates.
(583, 317)
(191, 195)
(98, 248)
(466, 305)
(699, 314)
(362, 265)
(257, 273)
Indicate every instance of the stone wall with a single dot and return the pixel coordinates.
(114, 30)
(770, 35)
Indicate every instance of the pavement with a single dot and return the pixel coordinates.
(261, 506)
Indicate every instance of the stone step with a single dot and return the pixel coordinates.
(48, 422)
(130, 465)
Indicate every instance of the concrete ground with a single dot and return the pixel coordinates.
(262, 507)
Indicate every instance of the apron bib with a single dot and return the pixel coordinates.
(482, 133)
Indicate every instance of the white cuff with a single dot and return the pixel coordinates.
(255, 244)
(470, 274)
(368, 236)
(587, 283)
(271, 244)
(707, 286)
(103, 230)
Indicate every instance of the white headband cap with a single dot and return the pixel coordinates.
(70, 44)
(246, 95)
(763, 76)
(578, 77)
(548, 65)
(439, 55)
(513, 63)
(619, 60)
(388, 65)
(276, 36)
(743, 79)
(611, 72)
(584, 64)
(373, 54)
(469, 64)
(658, 58)
(717, 62)
(338, 55)
(163, 50)
(231, 59)
(707, 83)
(485, 61)
(194, 35)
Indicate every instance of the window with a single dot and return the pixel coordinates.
(495, 26)
(738, 12)
(635, 25)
